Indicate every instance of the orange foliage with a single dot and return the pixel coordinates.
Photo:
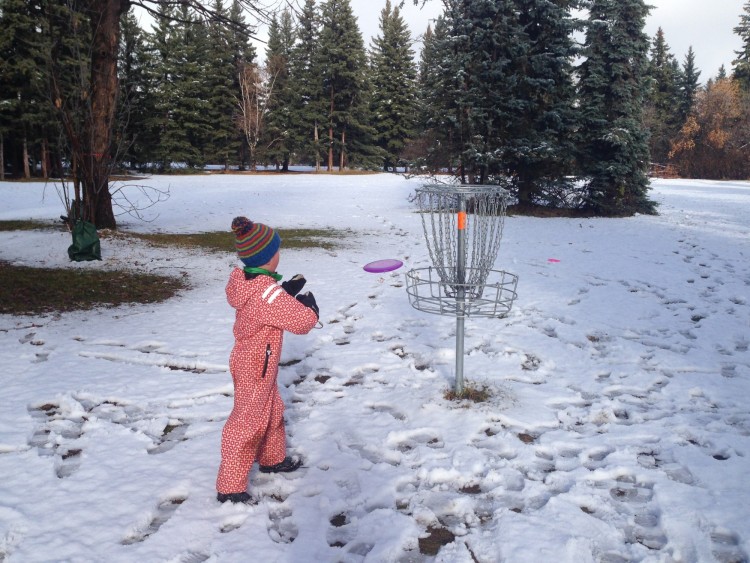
(714, 142)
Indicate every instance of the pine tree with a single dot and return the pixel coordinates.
(26, 120)
(438, 112)
(662, 114)
(243, 53)
(219, 79)
(541, 147)
(306, 111)
(279, 138)
(394, 86)
(136, 140)
(688, 87)
(741, 65)
(180, 107)
(479, 60)
(614, 144)
(341, 61)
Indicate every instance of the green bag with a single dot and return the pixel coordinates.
(85, 243)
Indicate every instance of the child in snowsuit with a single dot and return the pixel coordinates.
(264, 310)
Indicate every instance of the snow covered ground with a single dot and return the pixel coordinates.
(618, 429)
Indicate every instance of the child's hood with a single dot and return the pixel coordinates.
(238, 289)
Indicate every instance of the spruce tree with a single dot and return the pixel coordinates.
(26, 120)
(342, 65)
(394, 86)
(218, 79)
(243, 53)
(741, 65)
(307, 113)
(179, 107)
(483, 46)
(438, 114)
(663, 114)
(279, 138)
(688, 87)
(541, 146)
(614, 156)
(136, 138)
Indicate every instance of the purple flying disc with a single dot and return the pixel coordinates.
(380, 266)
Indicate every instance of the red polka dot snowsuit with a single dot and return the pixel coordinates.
(255, 427)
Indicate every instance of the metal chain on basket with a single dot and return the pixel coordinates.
(485, 213)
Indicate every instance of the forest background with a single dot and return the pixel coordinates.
(568, 112)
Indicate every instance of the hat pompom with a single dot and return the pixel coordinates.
(241, 225)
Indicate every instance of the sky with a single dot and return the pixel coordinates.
(707, 25)
(616, 428)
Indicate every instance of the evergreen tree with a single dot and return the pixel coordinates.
(25, 111)
(662, 114)
(342, 64)
(219, 79)
(614, 143)
(307, 114)
(279, 138)
(741, 65)
(438, 146)
(243, 53)
(394, 86)
(541, 148)
(688, 87)
(479, 71)
(180, 109)
(136, 139)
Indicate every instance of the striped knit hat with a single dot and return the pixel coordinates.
(256, 243)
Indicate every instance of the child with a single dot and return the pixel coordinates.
(264, 310)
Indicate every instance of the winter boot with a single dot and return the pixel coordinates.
(235, 498)
(288, 465)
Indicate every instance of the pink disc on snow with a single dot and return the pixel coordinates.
(380, 266)
(554, 260)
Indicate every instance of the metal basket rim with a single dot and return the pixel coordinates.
(466, 189)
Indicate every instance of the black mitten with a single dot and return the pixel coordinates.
(294, 286)
(308, 300)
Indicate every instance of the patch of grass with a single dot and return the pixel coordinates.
(26, 225)
(31, 291)
(472, 392)
(223, 241)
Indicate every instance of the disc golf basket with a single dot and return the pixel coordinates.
(463, 226)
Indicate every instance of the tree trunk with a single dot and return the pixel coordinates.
(330, 136)
(26, 169)
(97, 140)
(525, 189)
(2, 157)
(45, 159)
(342, 157)
(317, 149)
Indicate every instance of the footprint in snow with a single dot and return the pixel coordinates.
(635, 506)
(395, 413)
(164, 511)
(281, 528)
(725, 546)
(173, 433)
(56, 436)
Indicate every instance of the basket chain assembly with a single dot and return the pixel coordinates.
(463, 227)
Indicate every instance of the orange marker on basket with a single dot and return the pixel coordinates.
(461, 220)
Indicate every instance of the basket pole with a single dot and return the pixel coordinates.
(460, 293)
